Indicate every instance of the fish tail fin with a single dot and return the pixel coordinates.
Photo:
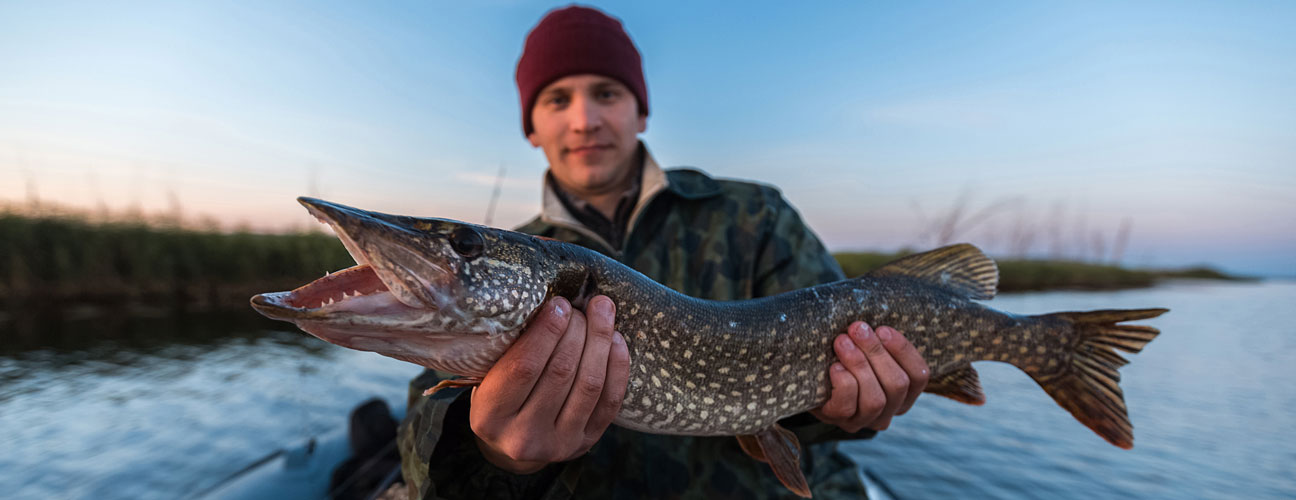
(1089, 387)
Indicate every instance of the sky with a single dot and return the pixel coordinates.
(1156, 134)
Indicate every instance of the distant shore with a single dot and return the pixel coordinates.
(67, 260)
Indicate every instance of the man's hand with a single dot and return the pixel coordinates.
(878, 376)
(553, 393)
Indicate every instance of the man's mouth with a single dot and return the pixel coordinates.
(590, 149)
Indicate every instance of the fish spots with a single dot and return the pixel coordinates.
(751, 406)
(665, 373)
(688, 354)
(646, 402)
(659, 315)
(1040, 350)
(690, 384)
(767, 388)
(771, 401)
(708, 400)
(996, 340)
(650, 356)
(656, 381)
(665, 344)
(724, 370)
(974, 333)
(750, 378)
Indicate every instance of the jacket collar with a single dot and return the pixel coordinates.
(688, 184)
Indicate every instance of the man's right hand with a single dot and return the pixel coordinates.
(554, 391)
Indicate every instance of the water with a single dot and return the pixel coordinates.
(162, 407)
(95, 406)
(1211, 399)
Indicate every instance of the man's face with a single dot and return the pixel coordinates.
(587, 126)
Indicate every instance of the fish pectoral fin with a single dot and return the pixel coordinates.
(454, 382)
(961, 268)
(779, 448)
(962, 385)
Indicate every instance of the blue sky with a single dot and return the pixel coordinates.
(874, 119)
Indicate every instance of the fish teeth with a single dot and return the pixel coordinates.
(345, 296)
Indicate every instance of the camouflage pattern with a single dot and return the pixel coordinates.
(716, 239)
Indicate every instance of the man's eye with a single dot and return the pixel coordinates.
(606, 95)
(559, 100)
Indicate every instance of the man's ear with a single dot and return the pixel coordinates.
(643, 123)
(532, 139)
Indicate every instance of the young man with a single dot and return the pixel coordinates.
(538, 426)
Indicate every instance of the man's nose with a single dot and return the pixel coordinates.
(586, 115)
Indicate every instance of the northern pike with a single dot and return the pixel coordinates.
(454, 296)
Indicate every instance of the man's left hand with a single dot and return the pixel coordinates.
(879, 375)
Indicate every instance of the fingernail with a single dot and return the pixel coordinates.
(560, 307)
(846, 343)
(884, 333)
(837, 367)
(603, 308)
(864, 332)
(616, 338)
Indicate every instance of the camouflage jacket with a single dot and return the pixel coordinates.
(718, 239)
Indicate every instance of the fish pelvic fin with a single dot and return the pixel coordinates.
(961, 268)
(779, 448)
(1090, 388)
(962, 385)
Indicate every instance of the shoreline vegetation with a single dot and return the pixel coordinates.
(62, 259)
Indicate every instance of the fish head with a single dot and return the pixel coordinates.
(423, 290)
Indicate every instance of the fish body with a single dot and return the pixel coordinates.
(453, 296)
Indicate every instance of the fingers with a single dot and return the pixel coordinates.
(614, 389)
(870, 398)
(893, 380)
(551, 391)
(587, 386)
(508, 383)
(913, 364)
(845, 393)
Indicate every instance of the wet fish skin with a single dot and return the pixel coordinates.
(455, 296)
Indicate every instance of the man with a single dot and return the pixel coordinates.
(538, 425)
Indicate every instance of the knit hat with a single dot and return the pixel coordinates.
(577, 40)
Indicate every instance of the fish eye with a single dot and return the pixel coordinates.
(467, 242)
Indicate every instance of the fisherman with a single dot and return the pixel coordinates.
(538, 425)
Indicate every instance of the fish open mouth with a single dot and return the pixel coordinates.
(356, 290)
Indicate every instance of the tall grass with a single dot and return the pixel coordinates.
(67, 257)
(60, 257)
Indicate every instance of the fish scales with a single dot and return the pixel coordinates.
(701, 367)
(454, 296)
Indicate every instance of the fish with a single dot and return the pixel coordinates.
(453, 296)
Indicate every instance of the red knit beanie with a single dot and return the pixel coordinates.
(577, 40)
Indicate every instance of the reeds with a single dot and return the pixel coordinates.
(69, 257)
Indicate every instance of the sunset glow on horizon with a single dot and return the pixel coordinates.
(1175, 121)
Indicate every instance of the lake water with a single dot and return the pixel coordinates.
(95, 406)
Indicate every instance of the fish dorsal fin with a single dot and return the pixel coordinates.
(962, 268)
